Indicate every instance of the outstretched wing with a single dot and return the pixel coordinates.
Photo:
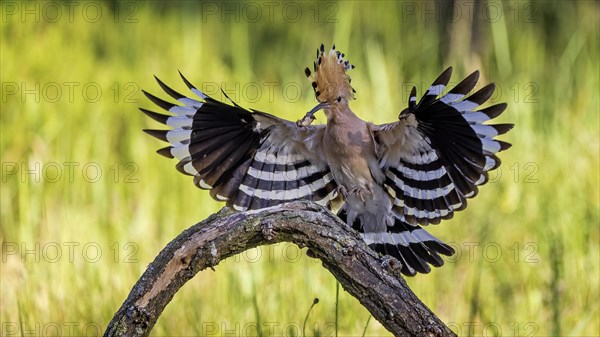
(249, 159)
(440, 150)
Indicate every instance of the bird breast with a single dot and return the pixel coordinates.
(351, 155)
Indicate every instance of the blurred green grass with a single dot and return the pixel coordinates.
(528, 261)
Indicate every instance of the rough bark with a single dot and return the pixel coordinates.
(374, 281)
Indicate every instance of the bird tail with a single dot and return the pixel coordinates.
(412, 245)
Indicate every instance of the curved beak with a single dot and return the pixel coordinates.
(321, 105)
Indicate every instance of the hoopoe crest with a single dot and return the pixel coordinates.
(330, 79)
(386, 181)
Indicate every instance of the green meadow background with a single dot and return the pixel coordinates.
(86, 204)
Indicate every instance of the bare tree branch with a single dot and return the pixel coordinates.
(361, 272)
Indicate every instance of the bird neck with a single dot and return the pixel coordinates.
(339, 114)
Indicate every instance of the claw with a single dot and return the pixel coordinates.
(306, 120)
(342, 190)
(310, 116)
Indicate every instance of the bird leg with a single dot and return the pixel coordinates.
(310, 116)
(342, 190)
(361, 193)
(306, 120)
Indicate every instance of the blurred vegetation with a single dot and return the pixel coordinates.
(86, 204)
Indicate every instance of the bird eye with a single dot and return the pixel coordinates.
(339, 99)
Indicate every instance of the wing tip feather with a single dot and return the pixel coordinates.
(160, 134)
(168, 89)
(166, 152)
(160, 102)
(156, 116)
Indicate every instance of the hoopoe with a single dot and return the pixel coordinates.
(386, 181)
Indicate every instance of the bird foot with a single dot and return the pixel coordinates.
(362, 193)
(342, 190)
(306, 120)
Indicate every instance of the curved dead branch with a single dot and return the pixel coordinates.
(360, 271)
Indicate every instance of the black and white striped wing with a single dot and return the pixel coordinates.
(247, 158)
(440, 150)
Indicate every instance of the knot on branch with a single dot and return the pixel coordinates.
(267, 231)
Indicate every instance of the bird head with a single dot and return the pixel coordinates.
(330, 81)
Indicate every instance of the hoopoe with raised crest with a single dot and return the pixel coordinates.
(386, 181)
